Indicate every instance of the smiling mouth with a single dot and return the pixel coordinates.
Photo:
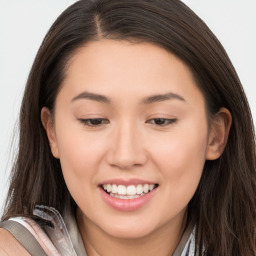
(128, 192)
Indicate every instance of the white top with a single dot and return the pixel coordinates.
(64, 239)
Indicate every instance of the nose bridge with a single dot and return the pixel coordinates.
(127, 145)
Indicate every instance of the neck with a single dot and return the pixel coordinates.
(161, 242)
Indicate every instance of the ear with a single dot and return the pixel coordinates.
(47, 121)
(218, 135)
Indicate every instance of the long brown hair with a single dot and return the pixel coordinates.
(224, 205)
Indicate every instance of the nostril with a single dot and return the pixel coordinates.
(127, 157)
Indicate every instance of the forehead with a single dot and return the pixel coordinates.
(123, 69)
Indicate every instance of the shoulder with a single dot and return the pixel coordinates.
(9, 245)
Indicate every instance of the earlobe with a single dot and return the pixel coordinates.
(219, 132)
(47, 121)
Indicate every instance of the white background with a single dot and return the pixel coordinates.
(23, 24)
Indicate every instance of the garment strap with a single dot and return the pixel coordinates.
(184, 240)
(24, 237)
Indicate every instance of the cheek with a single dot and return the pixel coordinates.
(79, 162)
(181, 159)
(80, 156)
(77, 149)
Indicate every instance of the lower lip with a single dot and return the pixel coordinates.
(127, 205)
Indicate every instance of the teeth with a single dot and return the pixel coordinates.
(121, 190)
(109, 188)
(125, 197)
(146, 188)
(151, 187)
(129, 192)
(114, 188)
(139, 189)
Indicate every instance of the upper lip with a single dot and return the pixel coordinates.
(127, 182)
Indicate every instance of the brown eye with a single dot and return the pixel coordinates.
(162, 121)
(94, 121)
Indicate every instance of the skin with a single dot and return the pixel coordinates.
(130, 143)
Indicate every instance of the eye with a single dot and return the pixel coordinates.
(162, 121)
(93, 122)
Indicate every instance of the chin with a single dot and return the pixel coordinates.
(129, 230)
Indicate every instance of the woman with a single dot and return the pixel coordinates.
(136, 138)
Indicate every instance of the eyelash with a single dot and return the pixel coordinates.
(163, 121)
(89, 122)
(96, 122)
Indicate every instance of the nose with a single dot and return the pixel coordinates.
(127, 148)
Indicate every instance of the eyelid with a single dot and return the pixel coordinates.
(86, 121)
(98, 122)
(168, 121)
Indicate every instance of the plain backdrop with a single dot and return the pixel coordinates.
(23, 24)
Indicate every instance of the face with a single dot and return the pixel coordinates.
(130, 130)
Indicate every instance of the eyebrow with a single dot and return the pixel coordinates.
(147, 100)
(92, 96)
(162, 97)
